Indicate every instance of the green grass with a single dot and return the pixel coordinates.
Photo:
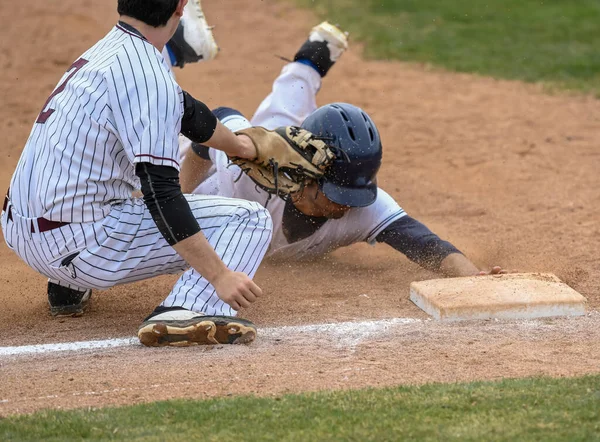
(552, 41)
(525, 409)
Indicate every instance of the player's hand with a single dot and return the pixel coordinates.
(246, 148)
(236, 289)
(496, 270)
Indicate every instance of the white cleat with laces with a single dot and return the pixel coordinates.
(325, 45)
(193, 41)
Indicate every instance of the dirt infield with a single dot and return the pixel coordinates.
(504, 171)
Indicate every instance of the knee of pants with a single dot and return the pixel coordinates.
(261, 216)
(264, 214)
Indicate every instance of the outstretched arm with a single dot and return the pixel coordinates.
(457, 264)
(422, 246)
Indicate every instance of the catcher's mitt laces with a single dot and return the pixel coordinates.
(337, 151)
(275, 165)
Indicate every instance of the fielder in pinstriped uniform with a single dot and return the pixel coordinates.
(112, 126)
(345, 206)
(192, 42)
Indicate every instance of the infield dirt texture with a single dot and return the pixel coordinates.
(507, 173)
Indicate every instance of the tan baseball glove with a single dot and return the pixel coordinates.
(287, 158)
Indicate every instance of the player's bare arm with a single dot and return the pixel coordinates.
(235, 288)
(194, 170)
(458, 264)
(198, 120)
(233, 145)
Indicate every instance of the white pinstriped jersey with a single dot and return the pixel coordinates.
(117, 105)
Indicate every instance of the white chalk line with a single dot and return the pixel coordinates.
(66, 346)
(347, 334)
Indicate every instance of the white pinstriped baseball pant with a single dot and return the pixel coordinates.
(126, 246)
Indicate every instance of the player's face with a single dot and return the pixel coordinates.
(313, 202)
(329, 208)
(324, 206)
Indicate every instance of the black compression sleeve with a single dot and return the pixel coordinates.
(167, 205)
(417, 242)
(198, 122)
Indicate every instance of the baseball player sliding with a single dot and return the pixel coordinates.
(111, 126)
(345, 206)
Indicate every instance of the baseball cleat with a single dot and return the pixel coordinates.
(193, 41)
(325, 45)
(67, 302)
(178, 327)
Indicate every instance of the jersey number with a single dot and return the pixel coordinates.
(45, 114)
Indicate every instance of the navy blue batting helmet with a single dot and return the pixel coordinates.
(352, 178)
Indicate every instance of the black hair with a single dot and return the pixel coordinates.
(152, 12)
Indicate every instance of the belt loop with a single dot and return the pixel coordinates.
(35, 227)
(28, 227)
(23, 225)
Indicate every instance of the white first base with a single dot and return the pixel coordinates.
(512, 296)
